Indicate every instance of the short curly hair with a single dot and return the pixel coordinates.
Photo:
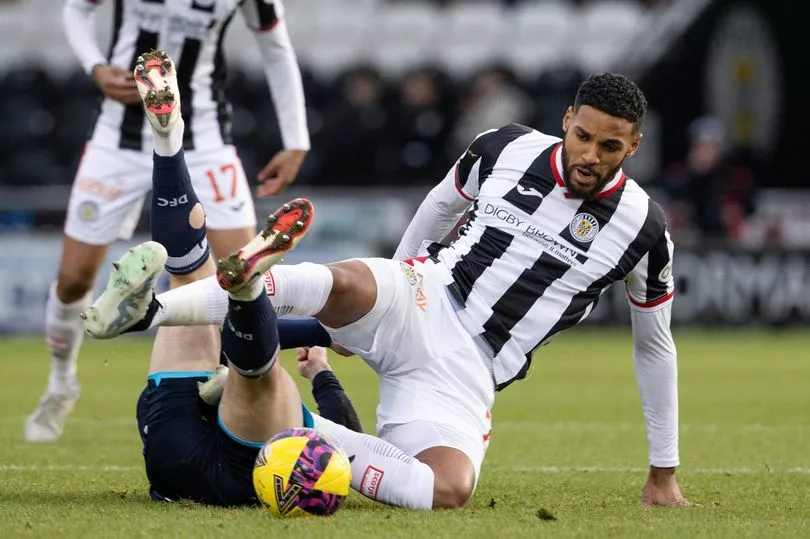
(613, 94)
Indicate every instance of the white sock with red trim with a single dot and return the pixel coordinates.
(380, 471)
(302, 289)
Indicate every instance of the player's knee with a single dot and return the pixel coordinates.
(74, 282)
(453, 476)
(353, 279)
(352, 294)
(346, 276)
(452, 492)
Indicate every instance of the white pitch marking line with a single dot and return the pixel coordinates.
(631, 469)
(520, 469)
(639, 426)
(619, 426)
(105, 421)
(66, 468)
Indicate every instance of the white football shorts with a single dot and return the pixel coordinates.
(436, 388)
(111, 184)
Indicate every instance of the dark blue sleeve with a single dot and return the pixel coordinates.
(298, 332)
(333, 403)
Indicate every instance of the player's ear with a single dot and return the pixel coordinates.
(634, 144)
(567, 118)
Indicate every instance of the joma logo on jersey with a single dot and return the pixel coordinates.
(529, 191)
(203, 5)
(584, 227)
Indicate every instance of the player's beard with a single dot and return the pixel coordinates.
(589, 192)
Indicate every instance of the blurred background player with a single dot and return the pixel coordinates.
(113, 176)
(712, 191)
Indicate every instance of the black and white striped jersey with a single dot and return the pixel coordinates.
(192, 32)
(532, 261)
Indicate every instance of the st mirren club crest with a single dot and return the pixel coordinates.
(584, 227)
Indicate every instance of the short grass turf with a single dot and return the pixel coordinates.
(567, 457)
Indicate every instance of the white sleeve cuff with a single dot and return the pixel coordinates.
(664, 463)
(661, 303)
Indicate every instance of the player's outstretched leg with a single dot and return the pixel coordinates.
(260, 399)
(177, 219)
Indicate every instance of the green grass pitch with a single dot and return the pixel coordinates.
(568, 444)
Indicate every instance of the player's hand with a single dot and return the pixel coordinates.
(662, 488)
(116, 83)
(280, 172)
(311, 361)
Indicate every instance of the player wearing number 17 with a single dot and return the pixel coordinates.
(115, 171)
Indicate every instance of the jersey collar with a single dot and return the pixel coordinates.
(557, 170)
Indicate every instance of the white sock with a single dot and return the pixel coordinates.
(252, 291)
(302, 289)
(198, 303)
(380, 471)
(169, 145)
(64, 334)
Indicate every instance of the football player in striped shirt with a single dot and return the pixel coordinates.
(552, 224)
(114, 173)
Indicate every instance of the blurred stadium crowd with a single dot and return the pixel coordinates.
(389, 106)
(395, 89)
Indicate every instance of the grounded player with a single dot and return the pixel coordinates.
(114, 176)
(201, 443)
(553, 224)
